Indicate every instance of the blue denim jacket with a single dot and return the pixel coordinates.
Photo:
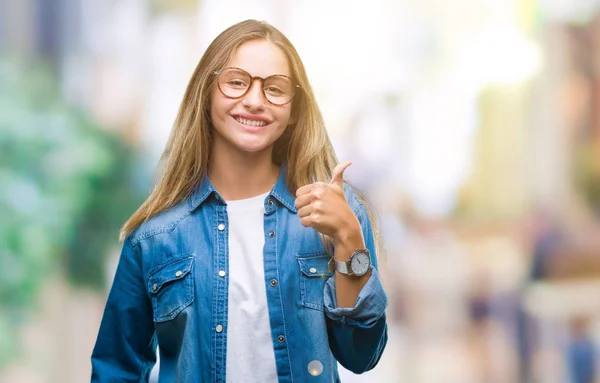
(170, 290)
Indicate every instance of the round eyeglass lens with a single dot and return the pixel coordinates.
(234, 83)
(278, 89)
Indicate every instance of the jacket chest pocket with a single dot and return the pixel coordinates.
(314, 269)
(171, 288)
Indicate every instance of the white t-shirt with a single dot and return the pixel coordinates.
(250, 354)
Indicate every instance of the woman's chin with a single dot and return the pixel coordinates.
(254, 147)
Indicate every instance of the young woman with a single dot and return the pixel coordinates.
(251, 260)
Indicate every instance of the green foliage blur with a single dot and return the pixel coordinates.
(66, 187)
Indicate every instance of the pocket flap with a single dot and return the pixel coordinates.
(169, 273)
(315, 265)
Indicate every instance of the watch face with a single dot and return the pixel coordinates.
(360, 263)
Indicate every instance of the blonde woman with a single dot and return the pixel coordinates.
(251, 260)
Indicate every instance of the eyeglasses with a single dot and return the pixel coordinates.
(235, 83)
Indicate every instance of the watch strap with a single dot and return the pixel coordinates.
(343, 266)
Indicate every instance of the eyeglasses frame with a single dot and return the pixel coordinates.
(252, 79)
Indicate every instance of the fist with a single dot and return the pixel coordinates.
(323, 206)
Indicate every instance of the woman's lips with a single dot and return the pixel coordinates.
(251, 122)
(251, 125)
(252, 117)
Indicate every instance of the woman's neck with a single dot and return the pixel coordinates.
(242, 175)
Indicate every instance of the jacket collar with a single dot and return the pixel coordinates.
(280, 192)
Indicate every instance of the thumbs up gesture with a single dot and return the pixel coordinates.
(323, 206)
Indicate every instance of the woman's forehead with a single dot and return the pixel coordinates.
(260, 58)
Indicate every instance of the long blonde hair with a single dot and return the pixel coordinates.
(305, 145)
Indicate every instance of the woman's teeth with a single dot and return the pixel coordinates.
(250, 122)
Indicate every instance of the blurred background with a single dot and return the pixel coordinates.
(473, 125)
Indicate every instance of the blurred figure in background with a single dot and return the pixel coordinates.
(582, 352)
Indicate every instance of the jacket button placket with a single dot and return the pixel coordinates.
(276, 285)
(220, 298)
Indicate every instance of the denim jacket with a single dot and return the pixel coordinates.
(171, 284)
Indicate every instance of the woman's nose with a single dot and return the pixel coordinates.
(255, 98)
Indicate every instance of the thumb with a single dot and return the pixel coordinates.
(338, 173)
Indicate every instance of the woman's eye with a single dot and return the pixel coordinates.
(237, 83)
(273, 90)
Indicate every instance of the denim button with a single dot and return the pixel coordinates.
(312, 270)
(271, 234)
(178, 273)
(219, 328)
(270, 202)
(154, 287)
(280, 338)
(221, 227)
(315, 368)
(222, 273)
(273, 282)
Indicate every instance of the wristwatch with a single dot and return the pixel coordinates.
(357, 265)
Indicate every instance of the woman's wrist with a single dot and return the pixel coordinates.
(347, 240)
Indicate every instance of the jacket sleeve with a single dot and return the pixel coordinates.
(358, 335)
(125, 350)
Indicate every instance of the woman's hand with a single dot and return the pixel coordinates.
(323, 207)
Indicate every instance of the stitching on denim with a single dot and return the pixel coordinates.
(189, 290)
(159, 230)
(304, 278)
(225, 305)
(156, 269)
(216, 297)
(195, 201)
(305, 263)
(282, 199)
(270, 209)
(280, 295)
(311, 254)
(175, 311)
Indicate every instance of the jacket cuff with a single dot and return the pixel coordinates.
(370, 303)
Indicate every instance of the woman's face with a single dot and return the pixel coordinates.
(251, 124)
